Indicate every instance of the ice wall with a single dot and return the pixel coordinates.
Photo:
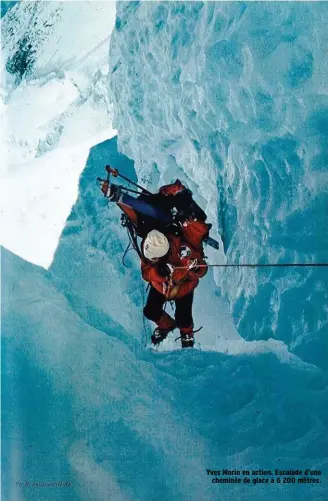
(85, 403)
(5, 6)
(232, 98)
(84, 400)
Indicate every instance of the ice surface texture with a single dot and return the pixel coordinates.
(232, 97)
(85, 402)
(5, 6)
(121, 423)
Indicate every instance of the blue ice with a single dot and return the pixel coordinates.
(230, 97)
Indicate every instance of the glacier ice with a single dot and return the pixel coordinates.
(231, 98)
(118, 420)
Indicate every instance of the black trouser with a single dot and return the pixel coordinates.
(183, 308)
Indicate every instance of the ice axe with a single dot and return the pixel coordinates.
(115, 173)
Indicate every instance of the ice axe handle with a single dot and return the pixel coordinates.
(112, 171)
(213, 243)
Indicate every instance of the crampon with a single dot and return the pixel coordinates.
(187, 338)
(160, 334)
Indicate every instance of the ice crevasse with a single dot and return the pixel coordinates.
(230, 98)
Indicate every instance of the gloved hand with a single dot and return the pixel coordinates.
(111, 191)
(192, 264)
(104, 186)
(114, 193)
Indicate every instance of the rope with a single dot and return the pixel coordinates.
(143, 316)
(129, 248)
(132, 245)
(133, 239)
(255, 265)
(144, 289)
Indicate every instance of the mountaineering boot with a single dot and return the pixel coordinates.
(159, 335)
(187, 337)
(165, 325)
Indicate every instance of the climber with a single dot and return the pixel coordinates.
(171, 252)
(162, 254)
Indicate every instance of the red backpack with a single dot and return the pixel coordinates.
(172, 189)
(194, 232)
(191, 217)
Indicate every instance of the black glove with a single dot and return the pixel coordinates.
(163, 269)
(115, 193)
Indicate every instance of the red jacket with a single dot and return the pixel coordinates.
(183, 252)
(182, 281)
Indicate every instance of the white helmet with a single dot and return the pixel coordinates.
(156, 245)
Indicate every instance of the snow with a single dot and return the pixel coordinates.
(54, 107)
(35, 205)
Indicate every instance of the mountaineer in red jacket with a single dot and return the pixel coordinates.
(171, 266)
(172, 257)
